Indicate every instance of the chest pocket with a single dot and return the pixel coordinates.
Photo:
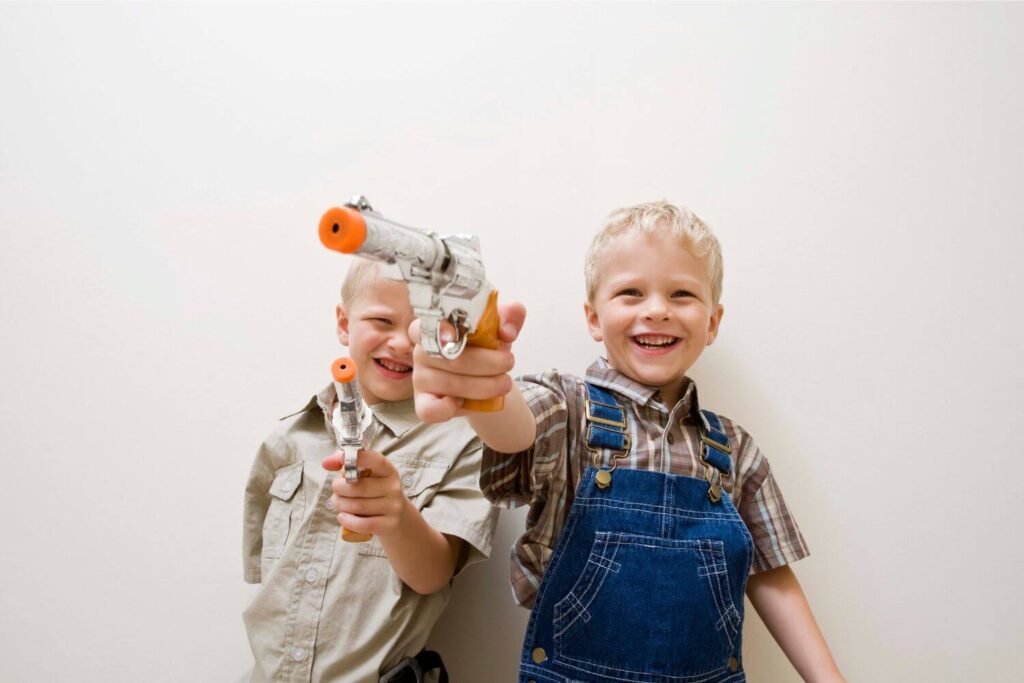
(284, 504)
(420, 481)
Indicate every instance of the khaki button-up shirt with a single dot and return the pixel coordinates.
(328, 610)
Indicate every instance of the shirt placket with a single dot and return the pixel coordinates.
(306, 600)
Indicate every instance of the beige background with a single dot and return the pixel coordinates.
(162, 170)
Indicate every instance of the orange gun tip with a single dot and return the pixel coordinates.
(343, 370)
(343, 229)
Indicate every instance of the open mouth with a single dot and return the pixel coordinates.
(392, 368)
(655, 342)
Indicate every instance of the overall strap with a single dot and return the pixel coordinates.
(606, 421)
(714, 453)
(716, 443)
(606, 429)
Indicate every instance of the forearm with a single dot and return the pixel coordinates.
(422, 556)
(780, 602)
(510, 430)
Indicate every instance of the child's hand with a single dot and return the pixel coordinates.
(373, 505)
(440, 385)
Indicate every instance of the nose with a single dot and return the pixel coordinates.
(656, 308)
(400, 343)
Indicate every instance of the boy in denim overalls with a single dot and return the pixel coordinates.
(649, 517)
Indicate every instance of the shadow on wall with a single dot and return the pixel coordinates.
(481, 633)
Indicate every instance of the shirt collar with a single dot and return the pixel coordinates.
(604, 375)
(398, 416)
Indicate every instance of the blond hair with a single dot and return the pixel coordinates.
(661, 219)
(361, 274)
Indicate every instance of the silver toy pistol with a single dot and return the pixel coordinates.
(445, 275)
(347, 420)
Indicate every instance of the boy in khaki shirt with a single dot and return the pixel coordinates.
(329, 610)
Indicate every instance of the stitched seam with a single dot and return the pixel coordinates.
(654, 509)
(633, 675)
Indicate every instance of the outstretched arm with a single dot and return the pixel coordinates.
(780, 602)
(441, 385)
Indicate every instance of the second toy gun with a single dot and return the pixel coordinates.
(348, 419)
(445, 275)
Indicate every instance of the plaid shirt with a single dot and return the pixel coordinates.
(546, 475)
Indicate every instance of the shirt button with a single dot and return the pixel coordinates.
(407, 480)
(671, 439)
(298, 654)
(539, 656)
(329, 504)
(312, 575)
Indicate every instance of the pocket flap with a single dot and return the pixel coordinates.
(419, 475)
(286, 481)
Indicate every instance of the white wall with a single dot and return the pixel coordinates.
(165, 298)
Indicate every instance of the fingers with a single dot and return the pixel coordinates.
(473, 361)
(433, 408)
(370, 463)
(440, 382)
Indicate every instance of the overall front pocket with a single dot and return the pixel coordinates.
(649, 609)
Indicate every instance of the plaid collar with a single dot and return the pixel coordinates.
(604, 375)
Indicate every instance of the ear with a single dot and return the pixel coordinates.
(714, 323)
(342, 317)
(593, 322)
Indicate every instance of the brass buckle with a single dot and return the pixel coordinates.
(603, 478)
(725, 448)
(621, 424)
(714, 478)
(625, 448)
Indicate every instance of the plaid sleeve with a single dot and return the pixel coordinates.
(510, 479)
(777, 538)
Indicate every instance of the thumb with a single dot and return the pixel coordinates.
(332, 462)
(512, 316)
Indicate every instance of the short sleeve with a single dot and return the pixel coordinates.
(459, 508)
(271, 455)
(777, 538)
(511, 479)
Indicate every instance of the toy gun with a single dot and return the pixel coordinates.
(445, 276)
(347, 420)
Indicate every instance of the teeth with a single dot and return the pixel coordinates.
(394, 367)
(654, 340)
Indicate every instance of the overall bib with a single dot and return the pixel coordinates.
(646, 582)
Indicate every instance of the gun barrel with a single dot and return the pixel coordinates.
(367, 234)
(348, 415)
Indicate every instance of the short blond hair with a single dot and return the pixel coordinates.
(663, 219)
(361, 274)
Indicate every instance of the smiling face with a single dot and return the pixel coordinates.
(653, 310)
(374, 326)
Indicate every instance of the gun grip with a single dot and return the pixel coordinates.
(354, 536)
(486, 336)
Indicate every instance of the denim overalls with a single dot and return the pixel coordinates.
(646, 582)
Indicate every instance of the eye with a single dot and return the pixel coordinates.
(384, 322)
(629, 291)
(683, 294)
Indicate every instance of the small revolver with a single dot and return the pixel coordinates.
(445, 275)
(348, 419)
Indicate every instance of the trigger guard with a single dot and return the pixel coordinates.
(452, 349)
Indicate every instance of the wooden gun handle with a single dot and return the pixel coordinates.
(486, 336)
